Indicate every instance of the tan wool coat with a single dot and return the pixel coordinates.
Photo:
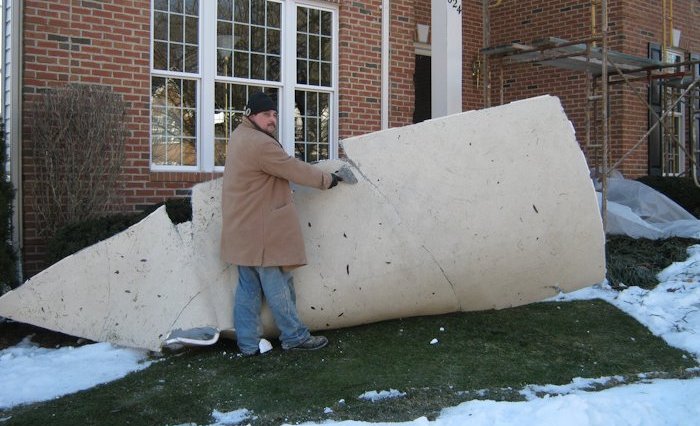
(260, 226)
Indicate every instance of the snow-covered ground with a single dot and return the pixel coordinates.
(672, 311)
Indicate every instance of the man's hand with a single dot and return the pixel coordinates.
(335, 180)
(346, 175)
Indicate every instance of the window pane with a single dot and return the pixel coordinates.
(256, 42)
(302, 46)
(160, 26)
(191, 30)
(241, 11)
(302, 19)
(224, 35)
(158, 150)
(239, 97)
(176, 36)
(224, 10)
(220, 146)
(158, 122)
(326, 23)
(257, 12)
(160, 55)
(314, 21)
(257, 67)
(241, 37)
(273, 14)
(257, 39)
(314, 73)
(324, 114)
(273, 69)
(326, 74)
(191, 59)
(326, 49)
(311, 125)
(189, 94)
(189, 152)
(176, 28)
(175, 57)
(302, 73)
(311, 104)
(173, 121)
(314, 47)
(274, 44)
(176, 6)
(241, 62)
(222, 98)
(189, 123)
(192, 7)
(158, 91)
(223, 62)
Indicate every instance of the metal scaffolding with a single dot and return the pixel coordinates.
(604, 68)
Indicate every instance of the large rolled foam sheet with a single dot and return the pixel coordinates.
(485, 209)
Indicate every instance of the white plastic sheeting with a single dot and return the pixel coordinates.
(639, 211)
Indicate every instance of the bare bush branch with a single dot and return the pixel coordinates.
(78, 148)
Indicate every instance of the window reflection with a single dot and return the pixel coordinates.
(249, 39)
(176, 36)
(311, 125)
(229, 104)
(314, 47)
(173, 121)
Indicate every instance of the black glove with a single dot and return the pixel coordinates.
(335, 180)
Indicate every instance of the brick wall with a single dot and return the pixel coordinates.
(360, 67)
(633, 24)
(403, 63)
(472, 42)
(108, 43)
(104, 43)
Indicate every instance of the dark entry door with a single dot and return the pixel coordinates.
(421, 80)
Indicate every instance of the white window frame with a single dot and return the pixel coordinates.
(197, 77)
(206, 78)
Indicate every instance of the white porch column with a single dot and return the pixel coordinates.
(446, 61)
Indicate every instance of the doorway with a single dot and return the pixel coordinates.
(421, 82)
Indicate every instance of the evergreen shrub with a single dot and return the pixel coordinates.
(74, 237)
(682, 190)
(8, 256)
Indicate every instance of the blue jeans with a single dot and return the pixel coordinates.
(278, 288)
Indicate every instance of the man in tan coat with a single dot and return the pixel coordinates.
(260, 230)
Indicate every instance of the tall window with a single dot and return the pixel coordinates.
(208, 57)
(314, 78)
(175, 62)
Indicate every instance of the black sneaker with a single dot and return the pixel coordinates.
(311, 344)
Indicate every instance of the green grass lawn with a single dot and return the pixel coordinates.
(493, 351)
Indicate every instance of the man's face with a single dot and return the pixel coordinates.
(266, 120)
